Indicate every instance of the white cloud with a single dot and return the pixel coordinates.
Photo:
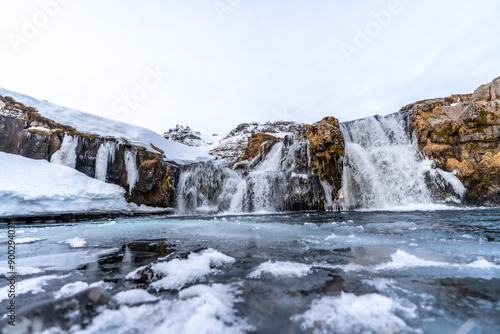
(265, 60)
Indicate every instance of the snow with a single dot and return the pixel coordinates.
(200, 309)
(281, 269)
(27, 240)
(36, 187)
(33, 285)
(348, 313)
(75, 242)
(79, 286)
(106, 127)
(20, 271)
(177, 273)
(134, 297)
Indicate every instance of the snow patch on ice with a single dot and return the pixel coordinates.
(134, 297)
(27, 240)
(177, 273)
(348, 313)
(76, 287)
(75, 242)
(281, 269)
(200, 309)
(20, 271)
(33, 285)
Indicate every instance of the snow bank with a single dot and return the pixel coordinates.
(34, 187)
(281, 269)
(200, 309)
(106, 127)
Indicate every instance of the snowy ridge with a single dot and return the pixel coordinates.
(234, 144)
(92, 124)
(187, 136)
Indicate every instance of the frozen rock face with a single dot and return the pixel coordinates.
(461, 133)
(235, 143)
(187, 136)
(327, 147)
(299, 171)
(144, 175)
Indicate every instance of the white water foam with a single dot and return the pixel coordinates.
(383, 168)
(281, 269)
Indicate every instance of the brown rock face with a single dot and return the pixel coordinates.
(327, 150)
(256, 148)
(23, 131)
(462, 133)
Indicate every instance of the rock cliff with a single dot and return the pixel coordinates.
(144, 175)
(461, 133)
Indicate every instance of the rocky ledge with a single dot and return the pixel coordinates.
(461, 133)
(144, 175)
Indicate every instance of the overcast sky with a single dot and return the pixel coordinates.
(213, 64)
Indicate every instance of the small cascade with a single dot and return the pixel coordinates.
(66, 155)
(105, 155)
(383, 168)
(278, 179)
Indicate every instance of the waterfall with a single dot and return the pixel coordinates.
(383, 168)
(278, 179)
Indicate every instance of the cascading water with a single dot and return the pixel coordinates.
(383, 168)
(278, 179)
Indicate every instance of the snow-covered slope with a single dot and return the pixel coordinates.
(187, 136)
(234, 144)
(36, 187)
(93, 124)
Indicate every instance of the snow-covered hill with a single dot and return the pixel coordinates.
(92, 124)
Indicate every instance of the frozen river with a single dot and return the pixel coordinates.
(345, 272)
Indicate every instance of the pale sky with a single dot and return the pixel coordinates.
(218, 63)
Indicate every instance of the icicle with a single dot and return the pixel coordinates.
(66, 155)
(131, 166)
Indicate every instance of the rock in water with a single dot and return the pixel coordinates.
(78, 309)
